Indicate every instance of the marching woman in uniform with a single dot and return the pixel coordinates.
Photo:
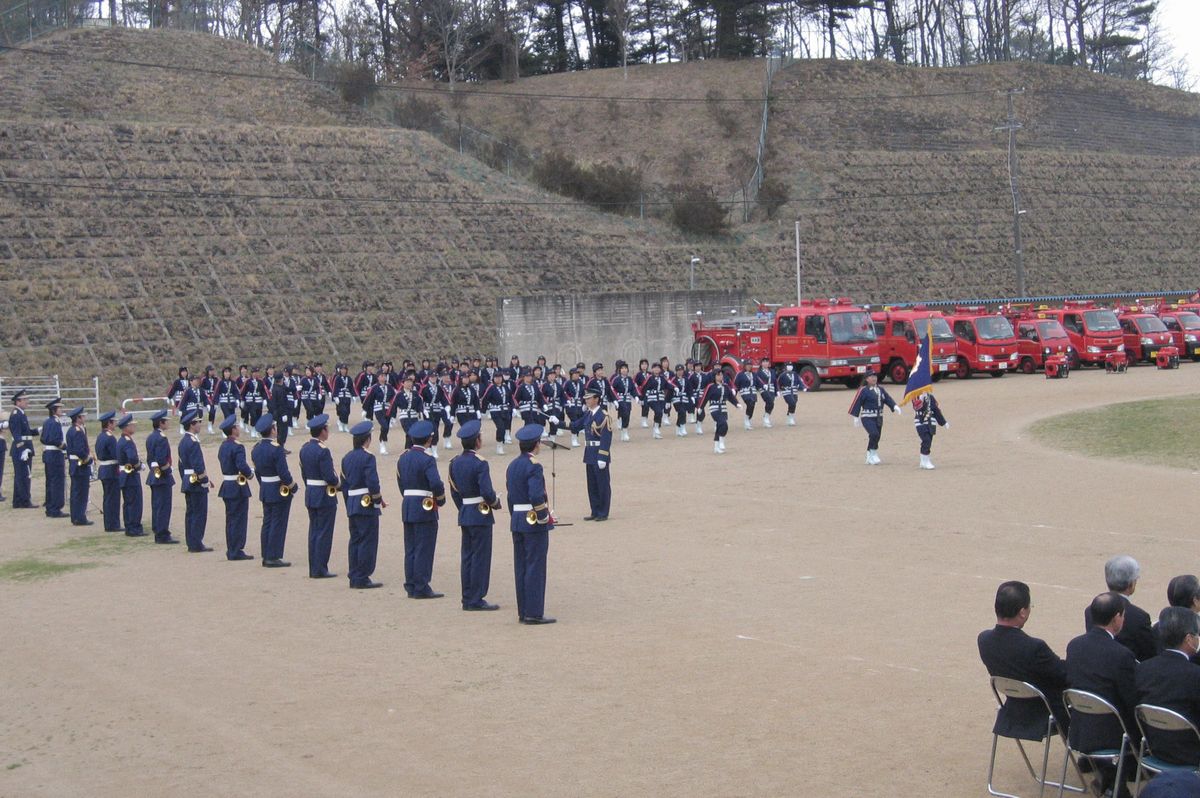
(343, 393)
(378, 405)
(54, 459)
(713, 399)
(194, 483)
(129, 464)
(790, 385)
(228, 394)
(928, 418)
(764, 381)
(106, 472)
(497, 403)
(682, 400)
(867, 410)
(80, 466)
(235, 490)
(744, 385)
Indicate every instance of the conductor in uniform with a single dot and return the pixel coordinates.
(360, 486)
(423, 491)
(54, 460)
(275, 487)
(79, 454)
(160, 479)
(194, 481)
(21, 451)
(106, 472)
(320, 496)
(531, 525)
(235, 490)
(597, 438)
(471, 490)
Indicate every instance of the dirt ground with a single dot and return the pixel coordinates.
(778, 621)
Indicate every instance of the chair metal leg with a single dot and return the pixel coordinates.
(992, 767)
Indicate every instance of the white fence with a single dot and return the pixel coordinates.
(44, 387)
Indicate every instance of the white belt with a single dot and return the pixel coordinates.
(106, 462)
(25, 438)
(230, 477)
(473, 500)
(268, 479)
(186, 471)
(74, 457)
(418, 493)
(358, 491)
(315, 483)
(155, 465)
(593, 443)
(522, 508)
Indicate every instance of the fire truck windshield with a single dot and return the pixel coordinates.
(941, 328)
(851, 328)
(1150, 324)
(993, 328)
(1188, 321)
(1050, 329)
(1101, 321)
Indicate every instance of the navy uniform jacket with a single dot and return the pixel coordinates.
(715, 396)
(416, 470)
(1009, 652)
(379, 398)
(193, 399)
(928, 414)
(127, 454)
(1171, 681)
(270, 461)
(316, 466)
(789, 383)
(22, 433)
(869, 402)
(106, 455)
(437, 400)
(623, 388)
(573, 392)
(1099, 664)
(177, 389)
(158, 453)
(607, 394)
(281, 403)
(764, 381)
(743, 383)
(654, 389)
(191, 458)
(526, 397)
(407, 405)
(1137, 634)
(597, 436)
(360, 478)
(52, 439)
(232, 459)
(227, 392)
(471, 488)
(527, 487)
(465, 400)
(553, 399)
(79, 451)
(254, 391)
(497, 397)
(343, 387)
(208, 389)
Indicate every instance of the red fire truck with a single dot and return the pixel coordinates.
(1144, 333)
(900, 333)
(827, 340)
(986, 342)
(1039, 337)
(1094, 331)
(1184, 326)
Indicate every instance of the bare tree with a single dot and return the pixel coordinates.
(618, 11)
(448, 19)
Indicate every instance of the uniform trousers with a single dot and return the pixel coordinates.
(55, 483)
(874, 428)
(195, 518)
(476, 564)
(768, 400)
(681, 413)
(320, 538)
(343, 410)
(926, 431)
(131, 506)
(21, 471)
(721, 419)
(274, 528)
(81, 483)
(749, 402)
(237, 512)
(790, 399)
(529, 563)
(364, 543)
(623, 411)
(110, 505)
(420, 540)
(385, 424)
(599, 487)
(656, 406)
(503, 420)
(160, 510)
(253, 413)
(228, 409)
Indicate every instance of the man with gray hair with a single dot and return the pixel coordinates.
(1171, 681)
(1122, 573)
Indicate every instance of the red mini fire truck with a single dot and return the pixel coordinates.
(1094, 331)
(986, 342)
(1144, 334)
(1184, 326)
(825, 339)
(1038, 338)
(900, 333)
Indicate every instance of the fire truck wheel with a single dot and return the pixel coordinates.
(810, 378)
(996, 374)
(936, 377)
(962, 369)
(1075, 362)
(853, 383)
(898, 371)
(1027, 366)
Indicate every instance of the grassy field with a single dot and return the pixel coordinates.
(1158, 431)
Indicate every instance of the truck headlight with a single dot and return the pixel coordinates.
(837, 363)
(1013, 356)
(1191, 339)
(1093, 350)
(986, 358)
(1147, 340)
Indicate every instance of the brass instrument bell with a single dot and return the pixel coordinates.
(241, 479)
(331, 490)
(531, 517)
(427, 503)
(366, 500)
(157, 472)
(485, 508)
(128, 468)
(285, 490)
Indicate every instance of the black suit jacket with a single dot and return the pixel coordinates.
(1170, 680)
(1099, 664)
(1009, 652)
(1136, 635)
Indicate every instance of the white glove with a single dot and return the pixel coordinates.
(897, 410)
(857, 421)
(946, 425)
(602, 465)
(25, 455)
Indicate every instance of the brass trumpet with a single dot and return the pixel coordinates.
(366, 500)
(157, 472)
(241, 479)
(129, 468)
(286, 490)
(331, 490)
(531, 517)
(427, 503)
(196, 479)
(485, 508)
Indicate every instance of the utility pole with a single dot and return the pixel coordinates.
(1011, 127)
(799, 271)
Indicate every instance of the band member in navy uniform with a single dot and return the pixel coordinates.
(867, 409)
(281, 407)
(496, 401)
(553, 402)
(654, 397)
(320, 496)
(417, 477)
(54, 459)
(193, 397)
(681, 401)
(573, 394)
(194, 484)
(21, 451)
(364, 382)
(531, 526)
(527, 400)
(208, 387)
(129, 465)
(625, 392)
(471, 489)
(697, 382)
(228, 394)
(928, 417)
(106, 472)
(379, 407)
(598, 380)
(790, 386)
(597, 433)
(275, 490)
(309, 391)
(716, 394)
(360, 490)
(343, 393)
(407, 407)
(764, 383)
(254, 399)
(466, 401)
(243, 377)
(159, 475)
(743, 384)
(235, 490)
(79, 453)
(639, 382)
(179, 387)
(438, 399)
(3, 454)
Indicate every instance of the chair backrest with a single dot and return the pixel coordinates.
(1163, 719)
(1091, 704)
(1015, 688)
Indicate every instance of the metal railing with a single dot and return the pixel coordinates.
(747, 195)
(44, 387)
(145, 412)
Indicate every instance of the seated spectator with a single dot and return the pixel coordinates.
(1006, 650)
(1170, 680)
(1173, 784)
(1097, 663)
(1182, 591)
(1121, 573)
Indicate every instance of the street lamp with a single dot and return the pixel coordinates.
(692, 274)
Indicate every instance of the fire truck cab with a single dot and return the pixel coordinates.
(900, 333)
(1039, 337)
(1184, 326)
(986, 342)
(1144, 333)
(825, 339)
(1094, 331)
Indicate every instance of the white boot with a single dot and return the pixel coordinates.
(721, 443)
(791, 420)
(874, 453)
(716, 447)
(657, 432)
(870, 459)
(767, 422)
(253, 433)
(746, 423)
(926, 463)
(447, 445)
(574, 440)
(681, 432)
(558, 433)
(645, 423)
(499, 448)
(699, 429)
(210, 428)
(624, 434)
(433, 451)
(382, 447)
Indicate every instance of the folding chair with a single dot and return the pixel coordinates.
(1014, 688)
(1083, 702)
(1160, 719)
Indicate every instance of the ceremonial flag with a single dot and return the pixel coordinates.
(920, 379)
